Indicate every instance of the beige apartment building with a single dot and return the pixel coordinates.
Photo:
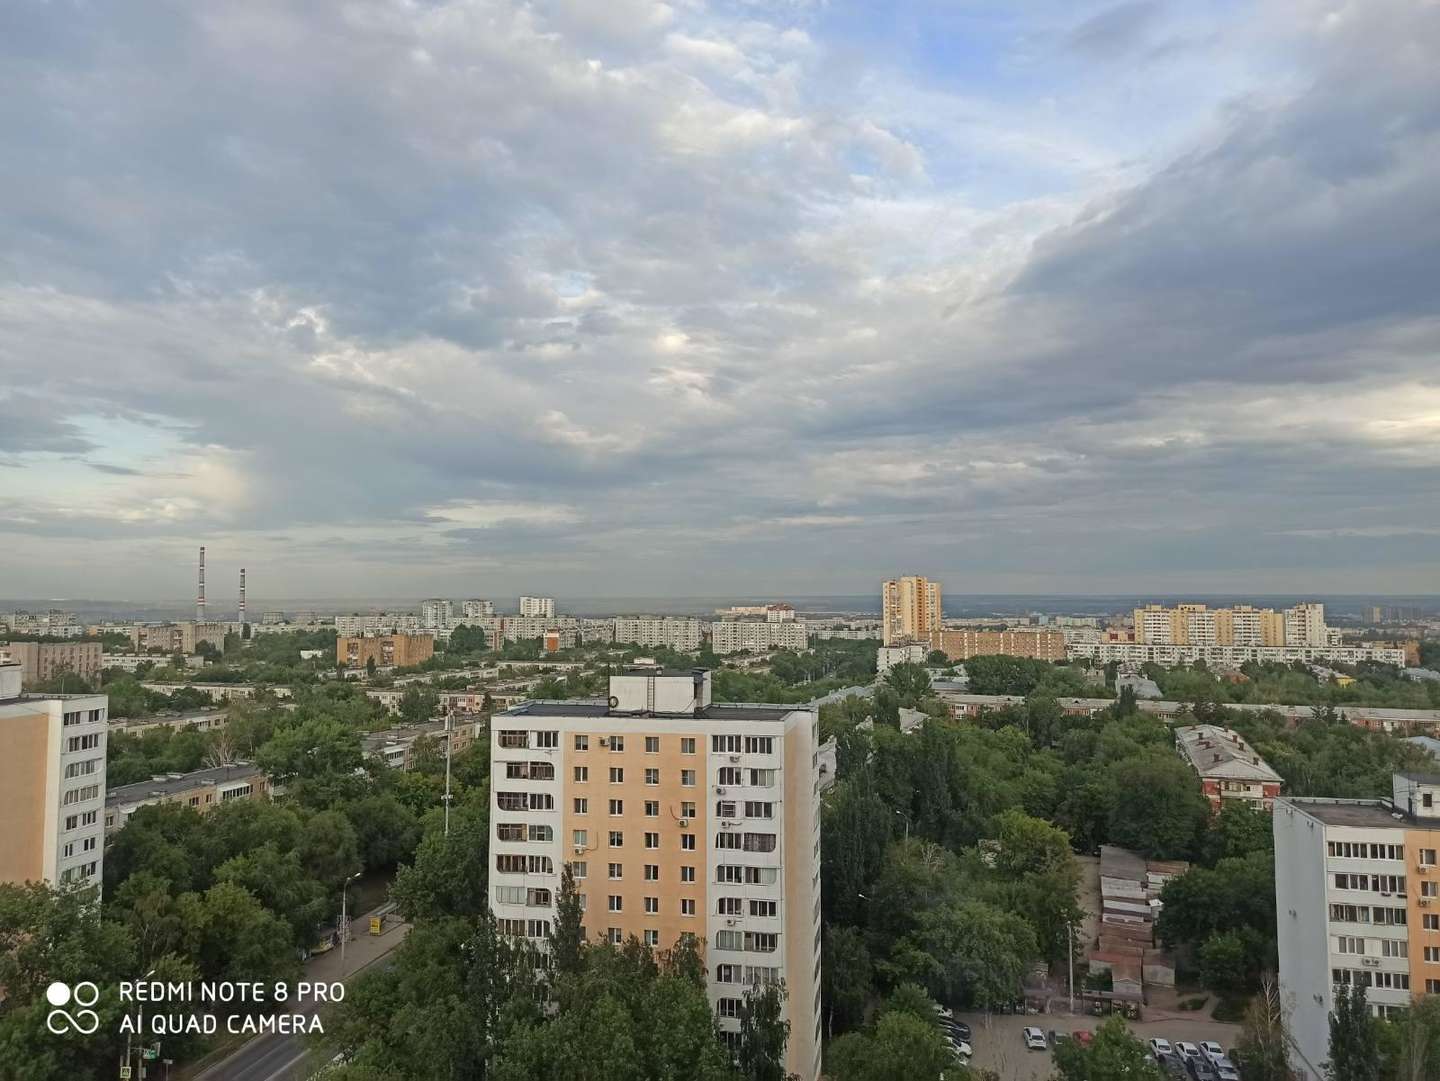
(960, 645)
(385, 650)
(680, 818)
(202, 790)
(1242, 625)
(910, 609)
(52, 785)
(41, 661)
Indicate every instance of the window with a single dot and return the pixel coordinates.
(687, 809)
(725, 744)
(617, 839)
(1427, 857)
(617, 743)
(762, 974)
(762, 941)
(582, 742)
(538, 898)
(760, 876)
(1429, 888)
(582, 773)
(727, 841)
(762, 778)
(652, 905)
(616, 903)
(759, 810)
(580, 838)
(652, 744)
(617, 871)
(83, 743)
(652, 840)
(729, 906)
(728, 1007)
(510, 895)
(511, 801)
(728, 940)
(727, 973)
(547, 739)
(652, 808)
(508, 864)
(652, 872)
(687, 842)
(515, 928)
(537, 928)
(541, 833)
(82, 769)
(582, 805)
(1430, 922)
(762, 908)
(1394, 947)
(68, 850)
(542, 801)
(729, 872)
(687, 906)
(617, 775)
(759, 744)
(510, 831)
(687, 744)
(617, 807)
(759, 842)
(80, 795)
(1349, 944)
(652, 777)
(687, 873)
(1432, 987)
(613, 936)
(730, 775)
(724, 808)
(652, 938)
(513, 740)
(580, 869)
(687, 778)
(1432, 955)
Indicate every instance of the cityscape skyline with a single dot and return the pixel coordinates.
(1060, 298)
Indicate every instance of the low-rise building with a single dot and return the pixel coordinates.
(52, 785)
(887, 657)
(1228, 767)
(210, 720)
(753, 636)
(202, 790)
(388, 650)
(42, 661)
(1357, 892)
(962, 644)
(396, 746)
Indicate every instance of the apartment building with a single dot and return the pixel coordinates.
(682, 635)
(183, 637)
(52, 785)
(1137, 653)
(385, 650)
(679, 817)
(543, 607)
(476, 609)
(910, 609)
(382, 623)
(752, 636)
(436, 614)
(961, 645)
(596, 630)
(1357, 893)
(396, 746)
(1228, 767)
(41, 661)
(1242, 625)
(201, 789)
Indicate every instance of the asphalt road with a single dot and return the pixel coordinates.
(275, 1057)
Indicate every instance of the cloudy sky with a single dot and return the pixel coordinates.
(382, 298)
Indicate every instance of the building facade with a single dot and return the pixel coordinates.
(910, 609)
(960, 645)
(543, 607)
(679, 818)
(1228, 767)
(752, 636)
(681, 635)
(52, 785)
(1230, 656)
(202, 790)
(476, 609)
(1199, 625)
(41, 661)
(1357, 892)
(436, 614)
(385, 650)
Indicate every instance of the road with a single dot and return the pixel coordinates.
(275, 1057)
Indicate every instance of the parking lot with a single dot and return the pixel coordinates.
(999, 1046)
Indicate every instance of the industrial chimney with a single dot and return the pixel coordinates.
(200, 596)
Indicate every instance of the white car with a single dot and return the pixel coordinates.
(1159, 1046)
(1188, 1050)
(1226, 1069)
(1212, 1050)
(943, 1011)
(1035, 1040)
(961, 1048)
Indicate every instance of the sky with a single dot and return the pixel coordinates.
(694, 297)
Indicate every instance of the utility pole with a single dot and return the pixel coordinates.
(344, 918)
(449, 742)
(1070, 944)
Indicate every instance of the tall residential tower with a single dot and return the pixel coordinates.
(910, 609)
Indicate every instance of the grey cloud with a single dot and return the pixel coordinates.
(1115, 30)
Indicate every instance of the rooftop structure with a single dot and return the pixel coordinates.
(1228, 767)
(201, 789)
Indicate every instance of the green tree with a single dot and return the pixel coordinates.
(1163, 812)
(328, 848)
(910, 682)
(1354, 1038)
(901, 1047)
(847, 978)
(418, 704)
(1263, 1049)
(971, 953)
(1113, 1054)
(763, 1034)
(449, 874)
(567, 935)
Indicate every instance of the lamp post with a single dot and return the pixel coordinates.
(449, 742)
(344, 918)
(906, 817)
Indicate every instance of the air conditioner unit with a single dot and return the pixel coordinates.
(1424, 902)
(731, 921)
(684, 822)
(579, 849)
(1423, 869)
(719, 791)
(734, 758)
(604, 741)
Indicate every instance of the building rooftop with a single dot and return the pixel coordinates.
(171, 783)
(1348, 812)
(1219, 752)
(599, 707)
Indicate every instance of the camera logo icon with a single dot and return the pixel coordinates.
(84, 1020)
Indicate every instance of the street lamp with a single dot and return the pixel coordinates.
(906, 817)
(344, 917)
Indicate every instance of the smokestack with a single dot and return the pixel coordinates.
(200, 596)
(242, 596)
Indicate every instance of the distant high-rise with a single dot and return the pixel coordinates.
(435, 614)
(476, 609)
(909, 609)
(200, 591)
(538, 606)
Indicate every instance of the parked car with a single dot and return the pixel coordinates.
(1211, 1050)
(1226, 1070)
(961, 1048)
(1159, 1046)
(1034, 1039)
(960, 1028)
(1173, 1065)
(944, 1012)
(1189, 1051)
(1201, 1070)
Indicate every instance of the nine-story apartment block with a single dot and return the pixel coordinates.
(680, 818)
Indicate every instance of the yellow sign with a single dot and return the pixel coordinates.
(375, 925)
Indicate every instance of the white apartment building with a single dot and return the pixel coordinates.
(538, 606)
(597, 630)
(682, 635)
(356, 626)
(52, 785)
(436, 614)
(887, 657)
(678, 817)
(1229, 656)
(752, 636)
(1357, 893)
(476, 609)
